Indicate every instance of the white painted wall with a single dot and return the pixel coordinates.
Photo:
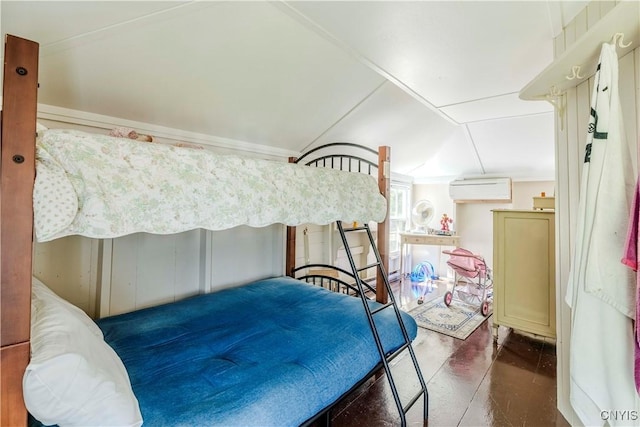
(69, 266)
(315, 249)
(438, 194)
(321, 244)
(149, 270)
(244, 253)
(473, 222)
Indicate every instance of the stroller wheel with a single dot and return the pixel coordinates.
(448, 297)
(484, 309)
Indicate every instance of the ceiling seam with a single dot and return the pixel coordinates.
(318, 29)
(556, 18)
(484, 98)
(343, 116)
(515, 116)
(475, 148)
(53, 47)
(412, 170)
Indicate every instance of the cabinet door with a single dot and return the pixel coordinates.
(525, 271)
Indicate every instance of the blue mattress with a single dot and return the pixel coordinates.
(271, 353)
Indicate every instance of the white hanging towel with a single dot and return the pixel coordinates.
(601, 290)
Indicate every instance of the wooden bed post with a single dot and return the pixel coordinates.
(384, 183)
(291, 251)
(290, 257)
(17, 174)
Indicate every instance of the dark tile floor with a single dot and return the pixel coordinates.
(472, 382)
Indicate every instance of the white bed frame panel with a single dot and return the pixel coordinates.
(113, 276)
(148, 270)
(244, 254)
(70, 266)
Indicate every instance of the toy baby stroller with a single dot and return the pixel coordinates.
(471, 273)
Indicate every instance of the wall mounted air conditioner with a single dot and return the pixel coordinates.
(480, 190)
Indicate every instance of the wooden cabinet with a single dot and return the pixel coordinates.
(524, 294)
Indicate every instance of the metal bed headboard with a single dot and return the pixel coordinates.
(328, 276)
(348, 162)
(350, 159)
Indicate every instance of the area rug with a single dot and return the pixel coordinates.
(458, 320)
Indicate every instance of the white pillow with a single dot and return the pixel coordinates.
(39, 291)
(74, 377)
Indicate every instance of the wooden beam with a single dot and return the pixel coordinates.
(290, 257)
(291, 251)
(384, 184)
(13, 362)
(17, 175)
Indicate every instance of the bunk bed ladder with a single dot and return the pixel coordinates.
(385, 358)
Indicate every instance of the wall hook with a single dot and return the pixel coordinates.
(575, 73)
(618, 39)
(305, 233)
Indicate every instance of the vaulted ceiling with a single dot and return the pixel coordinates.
(436, 81)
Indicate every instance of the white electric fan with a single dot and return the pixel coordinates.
(421, 214)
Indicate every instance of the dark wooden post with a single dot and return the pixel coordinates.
(290, 261)
(384, 183)
(17, 174)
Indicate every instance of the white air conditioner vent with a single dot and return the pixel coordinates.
(480, 190)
